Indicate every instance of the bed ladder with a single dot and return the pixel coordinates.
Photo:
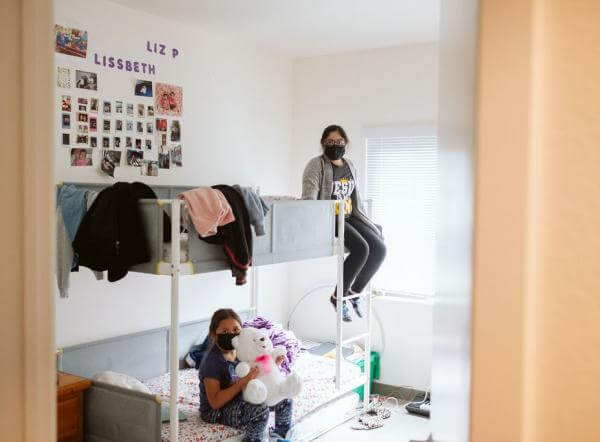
(174, 331)
(365, 336)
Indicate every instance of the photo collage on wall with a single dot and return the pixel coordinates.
(141, 130)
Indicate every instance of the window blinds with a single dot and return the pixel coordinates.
(402, 182)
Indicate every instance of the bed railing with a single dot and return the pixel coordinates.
(294, 233)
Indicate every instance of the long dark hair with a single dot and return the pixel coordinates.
(334, 128)
(218, 316)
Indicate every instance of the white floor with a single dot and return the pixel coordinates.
(400, 427)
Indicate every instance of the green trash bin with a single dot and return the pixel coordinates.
(375, 370)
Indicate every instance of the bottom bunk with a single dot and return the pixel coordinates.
(116, 413)
(319, 392)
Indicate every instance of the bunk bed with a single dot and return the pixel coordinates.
(295, 230)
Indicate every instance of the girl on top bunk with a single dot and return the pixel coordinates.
(220, 390)
(331, 176)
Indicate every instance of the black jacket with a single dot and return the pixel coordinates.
(236, 236)
(111, 235)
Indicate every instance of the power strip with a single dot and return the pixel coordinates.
(421, 405)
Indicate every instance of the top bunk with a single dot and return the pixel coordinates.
(294, 230)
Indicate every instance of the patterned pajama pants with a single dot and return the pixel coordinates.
(252, 418)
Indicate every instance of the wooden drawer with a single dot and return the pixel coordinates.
(70, 418)
(69, 407)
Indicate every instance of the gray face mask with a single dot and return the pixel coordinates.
(335, 152)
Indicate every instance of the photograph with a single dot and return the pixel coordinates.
(175, 131)
(86, 80)
(82, 100)
(81, 157)
(148, 144)
(140, 127)
(71, 41)
(94, 105)
(150, 111)
(150, 127)
(176, 157)
(162, 141)
(128, 142)
(82, 118)
(66, 121)
(117, 142)
(135, 158)
(130, 109)
(149, 168)
(93, 142)
(110, 160)
(63, 77)
(93, 124)
(163, 160)
(118, 107)
(141, 112)
(82, 139)
(143, 88)
(65, 103)
(106, 108)
(82, 128)
(161, 125)
(119, 125)
(82, 108)
(168, 99)
(129, 125)
(66, 139)
(106, 142)
(138, 143)
(106, 126)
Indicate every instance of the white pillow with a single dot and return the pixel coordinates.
(121, 380)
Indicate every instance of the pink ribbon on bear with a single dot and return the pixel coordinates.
(265, 360)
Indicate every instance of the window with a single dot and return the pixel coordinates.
(402, 184)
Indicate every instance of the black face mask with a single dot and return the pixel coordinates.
(224, 340)
(335, 152)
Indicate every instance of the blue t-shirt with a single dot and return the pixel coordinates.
(215, 366)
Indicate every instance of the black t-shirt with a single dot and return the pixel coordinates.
(215, 366)
(343, 185)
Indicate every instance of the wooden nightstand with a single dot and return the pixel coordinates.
(69, 407)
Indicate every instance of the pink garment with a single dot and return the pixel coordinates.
(208, 209)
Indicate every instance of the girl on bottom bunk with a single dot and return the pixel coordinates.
(220, 390)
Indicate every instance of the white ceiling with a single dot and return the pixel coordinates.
(305, 28)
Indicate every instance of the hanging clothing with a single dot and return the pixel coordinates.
(208, 209)
(65, 257)
(257, 208)
(72, 202)
(111, 236)
(236, 237)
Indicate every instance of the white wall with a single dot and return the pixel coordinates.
(451, 368)
(236, 128)
(386, 87)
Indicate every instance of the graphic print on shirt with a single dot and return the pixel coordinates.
(342, 190)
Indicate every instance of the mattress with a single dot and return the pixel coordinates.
(317, 373)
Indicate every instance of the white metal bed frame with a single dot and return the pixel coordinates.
(338, 249)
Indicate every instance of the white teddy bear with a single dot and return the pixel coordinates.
(255, 349)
